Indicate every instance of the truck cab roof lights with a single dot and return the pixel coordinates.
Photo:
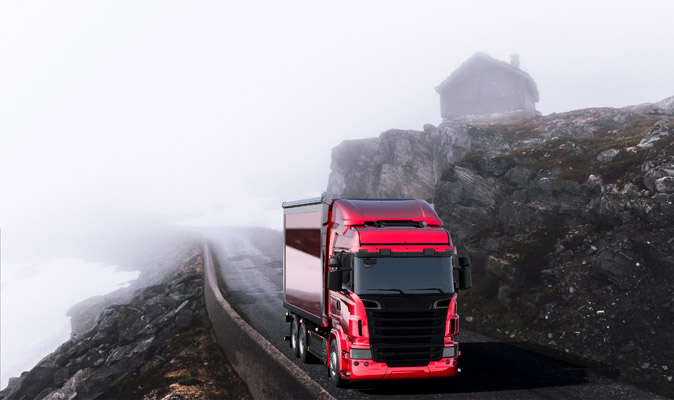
(395, 223)
(388, 253)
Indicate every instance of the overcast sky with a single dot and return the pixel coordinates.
(210, 112)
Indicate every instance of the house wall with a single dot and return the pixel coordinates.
(485, 89)
(529, 100)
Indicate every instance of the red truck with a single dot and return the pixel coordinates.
(369, 288)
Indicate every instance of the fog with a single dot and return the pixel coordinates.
(212, 113)
(120, 119)
(27, 336)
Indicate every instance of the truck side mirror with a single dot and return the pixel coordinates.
(335, 280)
(465, 278)
(464, 261)
(334, 262)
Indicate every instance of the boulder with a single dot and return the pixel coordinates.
(613, 268)
(660, 131)
(519, 176)
(506, 293)
(665, 184)
(430, 128)
(652, 176)
(503, 269)
(607, 156)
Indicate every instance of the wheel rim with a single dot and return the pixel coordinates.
(333, 363)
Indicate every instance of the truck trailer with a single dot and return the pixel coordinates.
(369, 288)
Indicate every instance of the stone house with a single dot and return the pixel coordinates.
(484, 85)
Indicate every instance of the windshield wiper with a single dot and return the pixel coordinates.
(430, 288)
(388, 290)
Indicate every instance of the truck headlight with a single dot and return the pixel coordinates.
(450, 351)
(360, 354)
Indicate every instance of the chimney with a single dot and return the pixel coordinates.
(515, 60)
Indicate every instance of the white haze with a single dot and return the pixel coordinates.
(34, 302)
(119, 116)
(193, 110)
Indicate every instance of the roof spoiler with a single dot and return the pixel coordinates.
(307, 202)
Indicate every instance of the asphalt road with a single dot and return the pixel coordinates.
(249, 261)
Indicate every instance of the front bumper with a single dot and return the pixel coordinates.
(443, 368)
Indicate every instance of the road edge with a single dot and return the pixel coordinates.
(267, 372)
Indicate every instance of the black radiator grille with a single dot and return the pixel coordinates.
(406, 337)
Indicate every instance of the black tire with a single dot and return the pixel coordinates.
(302, 344)
(333, 365)
(294, 337)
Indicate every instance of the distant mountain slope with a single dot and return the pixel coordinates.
(157, 344)
(568, 218)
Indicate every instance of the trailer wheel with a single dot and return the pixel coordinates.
(333, 365)
(302, 344)
(294, 337)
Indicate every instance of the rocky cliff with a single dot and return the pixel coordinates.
(156, 344)
(568, 219)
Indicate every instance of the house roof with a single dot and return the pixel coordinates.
(484, 58)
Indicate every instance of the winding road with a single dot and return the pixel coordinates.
(249, 261)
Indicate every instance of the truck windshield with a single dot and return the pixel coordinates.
(406, 275)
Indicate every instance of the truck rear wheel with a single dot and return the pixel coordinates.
(294, 337)
(302, 344)
(333, 365)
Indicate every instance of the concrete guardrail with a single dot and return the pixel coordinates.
(268, 373)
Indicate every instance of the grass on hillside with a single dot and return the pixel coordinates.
(577, 166)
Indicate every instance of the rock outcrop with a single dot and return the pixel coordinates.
(159, 342)
(568, 218)
(157, 256)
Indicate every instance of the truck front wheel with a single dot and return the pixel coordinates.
(333, 365)
(294, 337)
